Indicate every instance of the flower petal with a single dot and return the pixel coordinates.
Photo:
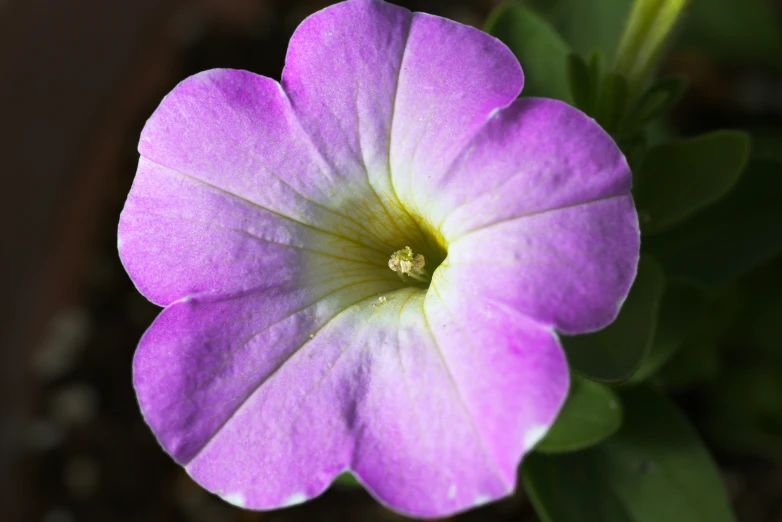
(534, 156)
(235, 130)
(395, 389)
(537, 214)
(226, 176)
(466, 388)
(202, 358)
(374, 77)
(453, 78)
(570, 268)
(314, 158)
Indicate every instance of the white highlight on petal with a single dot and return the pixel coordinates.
(480, 500)
(533, 436)
(296, 498)
(452, 491)
(494, 112)
(236, 499)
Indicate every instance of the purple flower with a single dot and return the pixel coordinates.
(301, 336)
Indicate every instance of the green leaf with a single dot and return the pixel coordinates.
(760, 311)
(540, 50)
(346, 480)
(591, 414)
(596, 65)
(654, 469)
(765, 144)
(677, 179)
(586, 25)
(569, 488)
(646, 35)
(614, 353)
(579, 79)
(660, 131)
(613, 102)
(729, 238)
(747, 406)
(698, 360)
(655, 102)
(737, 31)
(681, 309)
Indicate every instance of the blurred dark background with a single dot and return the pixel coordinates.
(77, 81)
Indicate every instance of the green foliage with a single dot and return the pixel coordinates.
(698, 360)
(726, 240)
(612, 104)
(596, 24)
(615, 353)
(766, 145)
(538, 47)
(591, 414)
(603, 96)
(741, 407)
(679, 178)
(736, 31)
(581, 83)
(597, 68)
(646, 34)
(571, 488)
(747, 404)
(639, 125)
(760, 312)
(682, 307)
(654, 469)
(655, 102)
(346, 480)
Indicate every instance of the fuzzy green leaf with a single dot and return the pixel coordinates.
(596, 24)
(540, 50)
(729, 238)
(613, 102)
(655, 102)
(580, 83)
(591, 414)
(346, 480)
(682, 307)
(677, 179)
(737, 31)
(655, 468)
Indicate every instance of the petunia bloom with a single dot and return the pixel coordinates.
(364, 267)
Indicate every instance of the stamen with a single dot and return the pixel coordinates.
(407, 264)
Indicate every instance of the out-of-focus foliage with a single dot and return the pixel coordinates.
(654, 103)
(726, 240)
(735, 31)
(681, 308)
(591, 414)
(540, 50)
(679, 178)
(654, 469)
(596, 24)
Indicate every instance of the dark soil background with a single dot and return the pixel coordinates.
(77, 81)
